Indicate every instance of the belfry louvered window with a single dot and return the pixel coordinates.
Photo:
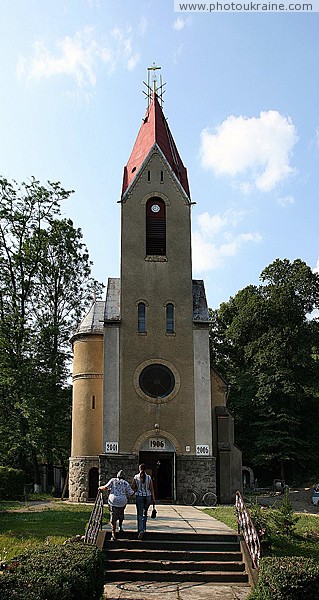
(155, 227)
(141, 318)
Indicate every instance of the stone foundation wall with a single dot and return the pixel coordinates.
(197, 474)
(79, 468)
(192, 473)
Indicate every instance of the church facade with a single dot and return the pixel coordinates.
(143, 386)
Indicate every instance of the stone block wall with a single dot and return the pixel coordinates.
(192, 472)
(79, 468)
(197, 474)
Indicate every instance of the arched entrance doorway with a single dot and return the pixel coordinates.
(248, 478)
(158, 454)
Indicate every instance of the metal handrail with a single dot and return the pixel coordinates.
(248, 530)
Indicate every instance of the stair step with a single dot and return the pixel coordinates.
(178, 537)
(147, 544)
(113, 553)
(168, 565)
(169, 557)
(161, 575)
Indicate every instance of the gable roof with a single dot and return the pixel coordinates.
(154, 131)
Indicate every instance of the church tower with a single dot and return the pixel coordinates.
(156, 405)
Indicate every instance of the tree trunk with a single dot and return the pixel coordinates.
(36, 472)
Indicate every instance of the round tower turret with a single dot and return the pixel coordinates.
(87, 403)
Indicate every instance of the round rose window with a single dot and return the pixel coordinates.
(157, 381)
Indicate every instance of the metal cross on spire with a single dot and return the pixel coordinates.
(154, 68)
(152, 86)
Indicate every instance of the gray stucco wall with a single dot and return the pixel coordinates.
(203, 407)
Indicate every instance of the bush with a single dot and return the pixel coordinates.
(11, 484)
(284, 518)
(287, 578)
(55, 572)
(261, 519)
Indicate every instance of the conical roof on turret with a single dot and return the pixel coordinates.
(154, 131)
(93, 322)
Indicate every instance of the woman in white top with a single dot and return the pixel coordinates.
(119, 490)
(144, 493)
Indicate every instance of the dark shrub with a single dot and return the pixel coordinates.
(287, 578)
(261, 518)
(284, 517)
(73, 571)
(11, 484)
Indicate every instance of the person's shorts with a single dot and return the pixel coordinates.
(116, 513)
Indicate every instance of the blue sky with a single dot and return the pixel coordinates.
(241, 100)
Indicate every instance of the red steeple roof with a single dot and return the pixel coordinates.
(154, 130)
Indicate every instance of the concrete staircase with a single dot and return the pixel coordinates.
(164, 557)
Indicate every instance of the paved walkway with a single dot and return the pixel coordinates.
(175, 519)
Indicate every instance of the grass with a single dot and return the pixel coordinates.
(34, 527)
(225, 514)
(8, 504)
(305, 541)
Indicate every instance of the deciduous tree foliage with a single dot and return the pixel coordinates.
(45, 285)
(265, 343)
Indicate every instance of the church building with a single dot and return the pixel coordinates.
(143, 386)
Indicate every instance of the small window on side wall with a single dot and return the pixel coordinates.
(170, 318)
(141, 318)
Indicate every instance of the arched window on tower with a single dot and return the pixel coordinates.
(141, 317)
(155, 227)
(170, 318)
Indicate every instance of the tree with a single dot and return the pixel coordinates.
(64, 289)
(44, 286)
(265, 344)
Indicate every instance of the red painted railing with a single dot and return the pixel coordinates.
(247, 529)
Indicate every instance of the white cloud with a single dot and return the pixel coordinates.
(245, 187)
(258, 148)
(316, 269)
(132, 61)
(79, 57)
(143, 24)
(214, 240)
(286, 201)
(180, 23)
(211, 225)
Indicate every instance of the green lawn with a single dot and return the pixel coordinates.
(225, 514)
(305, 542)
(21, 530)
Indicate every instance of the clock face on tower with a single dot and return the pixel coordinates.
(155, 208)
